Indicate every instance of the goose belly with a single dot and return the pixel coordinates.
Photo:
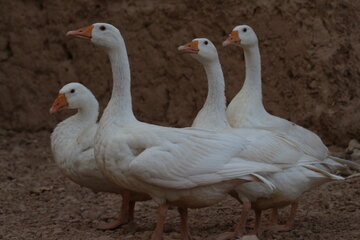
(81, 168)
(290, 185)
(112, 159)
(65, 158)
(191, 198)
(114, 156)
(198, 197)
(108, 163)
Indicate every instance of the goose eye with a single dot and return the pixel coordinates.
(72, 90)
(244, 29)
(102, 28)
(206, 42)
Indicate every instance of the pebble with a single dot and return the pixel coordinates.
(57, 231)
(353, 150)
(104, 238)
(250, 237)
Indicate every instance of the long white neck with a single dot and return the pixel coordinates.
(215, 100)
(68, 130)
(88, 112)
(252, 84)
(247, 109)
(213, 115)
(86, 115)
(120, 105)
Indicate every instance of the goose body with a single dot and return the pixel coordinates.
(182, 167)
(72, 144)
(185, 167)
(243, 112)
(246, 110)
(299, 172)
(72, 141)
(204, 51)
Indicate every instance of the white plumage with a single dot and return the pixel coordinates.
(246, 110)
(297, 161)
(184, 167)
(72, 141)
(72, 144)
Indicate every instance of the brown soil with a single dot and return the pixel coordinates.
(37, 202)
(310, 75)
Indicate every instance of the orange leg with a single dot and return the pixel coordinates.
(240, 226)
(158, 232)
(290, 222)
(185, 234)
(126, 214)
(257, 222)
(274, 217)
(131, 210)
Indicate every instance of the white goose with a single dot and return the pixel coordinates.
(182, 167)
(212, 116)
(72, 144)
(246, 110)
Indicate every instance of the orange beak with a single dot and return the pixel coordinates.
(191, 47)
(85, 33)
(233, 38)
(59, 103)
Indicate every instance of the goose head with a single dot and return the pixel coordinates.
(72, 96)
(202, 49)
(242, 35)
(101, 34)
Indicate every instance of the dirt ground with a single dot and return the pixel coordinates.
(37, 202)
(310, 59)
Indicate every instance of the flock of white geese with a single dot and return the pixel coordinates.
(263, 161)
